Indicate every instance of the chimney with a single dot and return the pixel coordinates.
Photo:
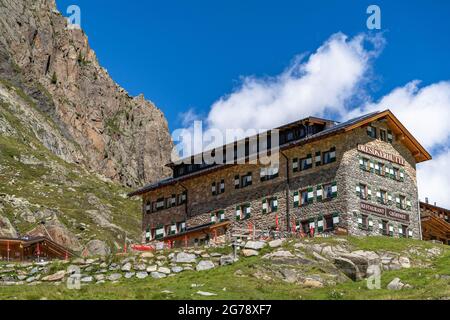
(426, 200)
(435, 204)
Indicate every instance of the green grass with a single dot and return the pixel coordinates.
(223, 282)
(43, 186)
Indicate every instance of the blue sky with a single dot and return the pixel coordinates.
(234, 63)
(187, 54)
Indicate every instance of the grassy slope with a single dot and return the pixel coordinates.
(426, 286)
(49, 187)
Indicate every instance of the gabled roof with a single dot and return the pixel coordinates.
(402, 134)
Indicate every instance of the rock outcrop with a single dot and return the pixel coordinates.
(100, 126)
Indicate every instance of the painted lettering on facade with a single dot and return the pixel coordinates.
(381, 154)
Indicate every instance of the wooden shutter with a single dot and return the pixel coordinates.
(264, 206)
(318, 159)
(238, 213)
(296, 199)
(319, 193)
(334, 189)
(310, 195)
(275, 204)
(320, 224)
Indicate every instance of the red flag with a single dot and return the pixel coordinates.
(38, 251)
(276, 221)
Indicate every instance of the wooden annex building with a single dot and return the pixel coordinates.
(32, 249)
(435, 223)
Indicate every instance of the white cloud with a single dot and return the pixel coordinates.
(434, 179)
(322, 84)
(424, 111)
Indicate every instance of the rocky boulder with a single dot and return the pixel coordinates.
(255, 245)
(6, 228)
(205, 265)
(96, 248)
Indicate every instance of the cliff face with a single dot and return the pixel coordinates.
(95, 122)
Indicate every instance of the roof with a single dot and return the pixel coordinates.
(433, 207)
(416, 148)
(33, 240)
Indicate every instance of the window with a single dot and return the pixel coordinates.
(160, 204)
(329, 223)
(160, 232)
(384, 228)
(295, 164)
(148, 235)
(383, 135)
(246, 180)
(328, 191)
(329, 156)
(269, 173)
(396, 173)
(363, 222)
(171, 202)
(237, 182)
(148, 207)
(372, 132)
(363, 191)
(318, 159)
(243, 212)
(382, 196)
(306, 163)
(270, 205)
(218, 188)
(401, 202)
(379, 168)
(182, 198)
(365, 164)
(403, 231)
(306, 196)
(182, 226)
(390, 137)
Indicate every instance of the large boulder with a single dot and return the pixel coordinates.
(58, 276)
(347, 267)
(255, 245)
(96, 248)
(205, 265)
(276, 243)
(183, 257)
(6, 228)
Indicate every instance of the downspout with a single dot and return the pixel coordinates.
(187, 199)
(288, 223)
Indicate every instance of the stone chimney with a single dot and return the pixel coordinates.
(426, 200)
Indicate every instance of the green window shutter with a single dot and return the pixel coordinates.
(264, 206)
(370, 223)
(336, 218)
(319, 193)
(369, 193)
(397, 201)
(310, 195)
(275, 204)
(295, 164)
(221, 215)
(371, 166)
(408, 204)
(379, 196)
(334, 189)
(402, 175)
(361, 163)
(360, 222)
(320, 224)
(333, 154)
(238, 213)
(247, 212)
(213, 218)
(296, 199)
(391, 230)
(318, 158)
(358, 191)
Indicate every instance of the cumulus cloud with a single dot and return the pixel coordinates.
(425, 111)
(434, 179)
(323, 84)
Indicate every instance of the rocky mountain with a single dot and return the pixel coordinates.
(72, 142)
(124, 138)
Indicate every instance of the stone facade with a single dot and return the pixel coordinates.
(341, 177)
